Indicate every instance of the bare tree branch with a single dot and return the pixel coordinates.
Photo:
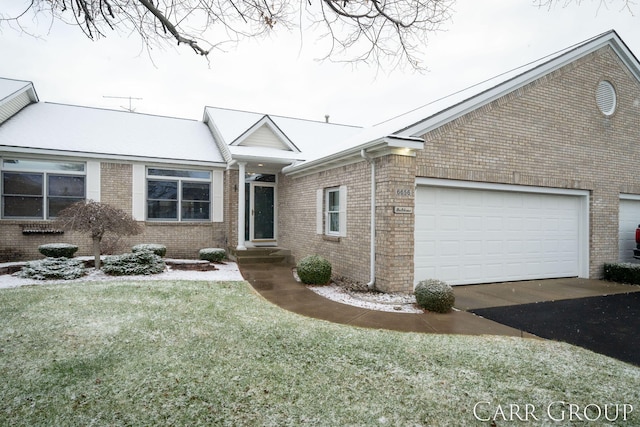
(358, 30)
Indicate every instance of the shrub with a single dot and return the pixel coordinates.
(160, 250)
(137, 263)
(435, 295)
(314, 270)
(58, 250)
(622, 273)
(212, 254)
(52, 268)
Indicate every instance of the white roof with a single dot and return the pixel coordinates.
(93, 132)
(314, 139)
(10, 87)
(319, 141)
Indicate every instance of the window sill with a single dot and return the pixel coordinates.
(327, 238)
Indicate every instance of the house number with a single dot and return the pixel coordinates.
(407, 192)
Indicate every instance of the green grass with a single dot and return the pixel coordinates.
(196, 353)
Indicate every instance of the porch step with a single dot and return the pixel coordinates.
(272, 255)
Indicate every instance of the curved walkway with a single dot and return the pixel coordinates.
(275, 283)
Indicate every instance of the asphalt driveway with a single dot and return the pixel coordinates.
(601, 316)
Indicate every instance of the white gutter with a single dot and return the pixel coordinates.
(372, 254)
(393, 141)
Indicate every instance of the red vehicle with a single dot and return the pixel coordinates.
(636, 251)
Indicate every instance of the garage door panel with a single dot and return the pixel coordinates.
(503, 236)
(628, 220)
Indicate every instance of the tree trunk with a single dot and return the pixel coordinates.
(96, 251)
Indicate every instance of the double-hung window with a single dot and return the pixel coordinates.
(332, 211)
(178, 195)
(39, 189)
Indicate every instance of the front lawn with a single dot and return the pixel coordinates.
(186, 353)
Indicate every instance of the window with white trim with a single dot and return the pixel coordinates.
(332, 211)
(40, 189)
(178, 195)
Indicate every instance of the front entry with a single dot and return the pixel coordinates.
(260, 211)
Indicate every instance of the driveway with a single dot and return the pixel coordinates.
(601, 316)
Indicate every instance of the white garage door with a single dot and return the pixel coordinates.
(629, 219)
(468, 236)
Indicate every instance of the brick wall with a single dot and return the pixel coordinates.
(551, 133)
(395, 182)
(348, 255)
(183, 240)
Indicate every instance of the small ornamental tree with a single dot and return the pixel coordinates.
(96, 219)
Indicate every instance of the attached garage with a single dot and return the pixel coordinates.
(628, 220)
(468, 233)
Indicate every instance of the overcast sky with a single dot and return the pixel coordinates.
(282, 76)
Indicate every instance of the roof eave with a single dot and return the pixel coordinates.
(391, 144)
(105, 156)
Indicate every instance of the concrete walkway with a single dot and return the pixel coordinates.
(275, 283)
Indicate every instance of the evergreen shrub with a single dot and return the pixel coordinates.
(435, 295)
(160, 250)
(212, 254)
(314, 270)
(133, 264)
(625, 272)
(52, 269)
(58, 250)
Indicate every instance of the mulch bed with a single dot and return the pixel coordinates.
(609, 325)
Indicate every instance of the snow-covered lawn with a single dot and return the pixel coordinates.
(172, 352)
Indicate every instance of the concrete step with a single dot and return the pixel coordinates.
(271, 255)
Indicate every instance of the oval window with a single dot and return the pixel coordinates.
(606, 98)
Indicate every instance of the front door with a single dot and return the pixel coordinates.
(260, 215)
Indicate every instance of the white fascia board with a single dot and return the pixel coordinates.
(502, 89)
(101, 156)
(217, 137)
(262, 159)
(396, 141)
(353, 155)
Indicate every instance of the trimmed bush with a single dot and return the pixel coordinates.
(160, 250)
(435, 295)
(212, 254)
(314, 270)
(624, 272)
(58, 250)
(52, 268)
(133, 264)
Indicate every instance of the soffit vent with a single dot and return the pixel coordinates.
(606, 98)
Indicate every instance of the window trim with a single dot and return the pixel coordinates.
(180, 177)
(323, 214)
(46, 169)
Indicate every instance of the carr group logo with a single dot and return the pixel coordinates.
(556, 411)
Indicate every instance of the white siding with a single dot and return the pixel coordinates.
(217, 196)
(93, 180)
(264, 137)
(138, 182)
(14, 105)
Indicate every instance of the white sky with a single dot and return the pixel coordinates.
(280, 76)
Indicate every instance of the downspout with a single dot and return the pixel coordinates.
(372, 254)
